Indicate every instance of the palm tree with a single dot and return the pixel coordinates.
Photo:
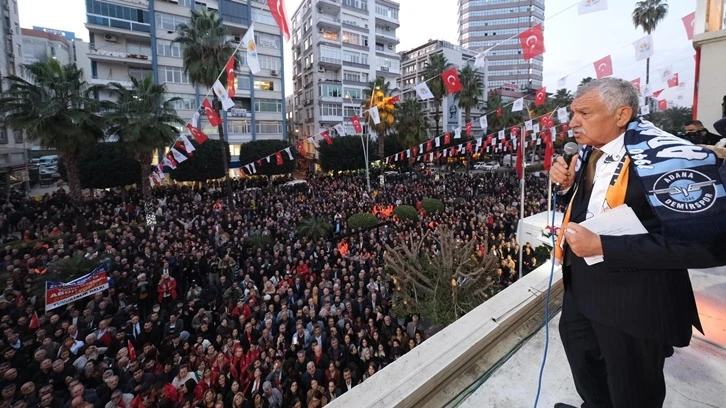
(144, 123)
(646, 15)
(205, 52)
(508, 118)
(57, 111)
(472, 90)
(377, 94)
(585, 80)
(411, 123)
(313, 228)
(561, 98)
(436, 66)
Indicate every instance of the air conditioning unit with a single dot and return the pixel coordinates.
(320, 30)
(110, 38)
(384, 68)
(321, 69)
(390, 46)
(273, 72)
(366, 25)
(237, 39)
(388, 28)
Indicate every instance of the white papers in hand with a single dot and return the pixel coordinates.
(616, 222)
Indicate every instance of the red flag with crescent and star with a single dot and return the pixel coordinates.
(657, 93)
(429, 146)
(688, 24)
(541, 96)
(662, 104)
(212, 116)
(636, 84)
(499, 112)
(451, 80)
(468, 129)
(198, 135)
(355, 120)
(277, 8)
(231, 77)
(603, 67)
(532, 41)
(447, 138)
(278, 156)
(301, 148)
(673, 81)
(392, 100)
(326, 136)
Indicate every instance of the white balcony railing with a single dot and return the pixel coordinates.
(120, 54)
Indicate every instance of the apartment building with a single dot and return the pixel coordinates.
(134, 38)
(12, 153)
(485, 23)
(413, 64)
(338, 47)
(709, 40)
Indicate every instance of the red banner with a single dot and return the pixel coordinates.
(59, 293)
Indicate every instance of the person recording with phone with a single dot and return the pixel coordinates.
(622, 316)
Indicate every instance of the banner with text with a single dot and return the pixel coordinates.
(58, 294)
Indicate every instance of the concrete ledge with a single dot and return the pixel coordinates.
(411, 379)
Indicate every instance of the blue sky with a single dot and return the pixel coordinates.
(573, 42)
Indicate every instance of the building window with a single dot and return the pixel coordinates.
(351, 76)
(359, 4)
(351, 111)
(237, 127)
(169, 22)
(263, 16)
(386, 11)
(354, 38)
(18, 136)
(268, 105)
(355, 57)
(331, 109)
(186, 101)
(333, 91)
(140, 73)
(267, 40)
(3, 136)
(264, 85)
(168, 48)
(354, 93)
(268, 126)
(174, 75)
(269, 62)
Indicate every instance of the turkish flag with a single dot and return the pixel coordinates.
(549, 150)
(231, 77)
(132, 350)
(212, 116)
(429, 146)
(499, 112)
(451, 80)
(415, 150)
(278, 156)
(565, 127)
(489, 139)
(468, 129)
(688, 24)
(636, 84)
(277, 8)
(394, 99)
(518, 166)
(171, 159)
(355, 120)
(657, 93)
(662, 104)
(603, 67)
(452, 152)
(541, 97)
(326, 136)
(532, 42)
(34, 321)
(447, 138)
(469, 147)
(515, 130)
(259, 162)
(198, 135)
(301, 148)
(673, 81)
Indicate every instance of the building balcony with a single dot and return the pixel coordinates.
(329, 23)
(119, 56)
(113, 27)
(331, 118)
(385, 69)
(328, 6)
(329, 62)
(386, 36)
(327, 37)
(101, 81)
(386, 20)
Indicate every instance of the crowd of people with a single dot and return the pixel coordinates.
(214, 306)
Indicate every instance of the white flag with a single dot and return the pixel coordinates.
(562, 82)
(180, 158)
(666, 73)
(438, 141)
(478, 144)
(518, 105)
(501, 134)
(249, 170)
(570, 133)
(528, 125)
(249, 42)
(483, 123)
(647, 90)
(188, 146)
(457, 133)
(562, 115)
(195, 119)
(423, 91)
(539, 142)
(160, 173)
(313, 141)
(643, 48)
(151, 181)
(375, 115)
(535, 128)
(340, 129)
(591, 6)
(254, 168)
(227, 102)
(408, 153)
(642, 100)
(645, 110)
(268, 158)
(481, 60)
(289, 153)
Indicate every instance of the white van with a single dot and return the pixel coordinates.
(48, 161)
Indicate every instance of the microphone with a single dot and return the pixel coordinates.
(571, 149)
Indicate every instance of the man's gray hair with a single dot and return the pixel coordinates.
(614, 92)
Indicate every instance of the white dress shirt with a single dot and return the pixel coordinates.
(612, 154)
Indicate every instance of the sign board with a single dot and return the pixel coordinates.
(58, 294)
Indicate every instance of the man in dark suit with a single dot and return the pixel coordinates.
(621, 317)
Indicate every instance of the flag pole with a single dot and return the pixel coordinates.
(521, 211)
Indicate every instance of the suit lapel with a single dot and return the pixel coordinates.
(580, 203)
